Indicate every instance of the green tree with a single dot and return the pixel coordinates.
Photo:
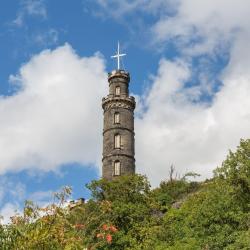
(126, 214)
(217, 215)
(125, 204)
(42, 228)
(235, 171)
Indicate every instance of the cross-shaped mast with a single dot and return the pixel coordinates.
(118, 55)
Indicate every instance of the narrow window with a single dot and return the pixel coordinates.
(117, 118)
(117, 141)
(117, 90)
(117, 168)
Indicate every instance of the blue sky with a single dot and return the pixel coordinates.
(76, 24)
(189, 66)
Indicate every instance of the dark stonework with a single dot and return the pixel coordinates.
(124, 105)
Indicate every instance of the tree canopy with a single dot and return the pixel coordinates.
(128, 214)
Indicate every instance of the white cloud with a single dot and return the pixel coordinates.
(15, 203)
(30, 8)
(9, 210)
(193, 136)
(10, 189)
(204, 26)
(194, 26)
(46, 38)
(42, 198)
(55, 118)
(35, 7)
(173, 127)
(12, 194)
(118, 9)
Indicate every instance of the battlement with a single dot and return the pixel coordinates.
(119, 74)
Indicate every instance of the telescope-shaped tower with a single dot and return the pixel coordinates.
(118, 128)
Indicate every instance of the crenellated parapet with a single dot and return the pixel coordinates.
(118, 102)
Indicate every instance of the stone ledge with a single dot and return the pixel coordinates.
(119, 154)
(115, 128)
(118, 102)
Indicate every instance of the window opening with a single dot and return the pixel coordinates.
(117, 168)
(117, 118)
(117, 141)
(117, 90)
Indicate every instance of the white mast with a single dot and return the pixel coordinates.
(118, 55)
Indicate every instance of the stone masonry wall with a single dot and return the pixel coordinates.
(124, 105)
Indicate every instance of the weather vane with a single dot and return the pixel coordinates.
(118, 55)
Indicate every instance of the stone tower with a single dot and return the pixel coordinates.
(118, 128)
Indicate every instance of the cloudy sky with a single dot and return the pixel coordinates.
(189, 63)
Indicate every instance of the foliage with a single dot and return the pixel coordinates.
(217, 215)
(173, 192)
(42, 228)
(125, 204)
(127, 214)
(235, 171)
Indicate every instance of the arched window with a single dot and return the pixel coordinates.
(117, 141)
(117, 118)
(117, 168)
(117, 90)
